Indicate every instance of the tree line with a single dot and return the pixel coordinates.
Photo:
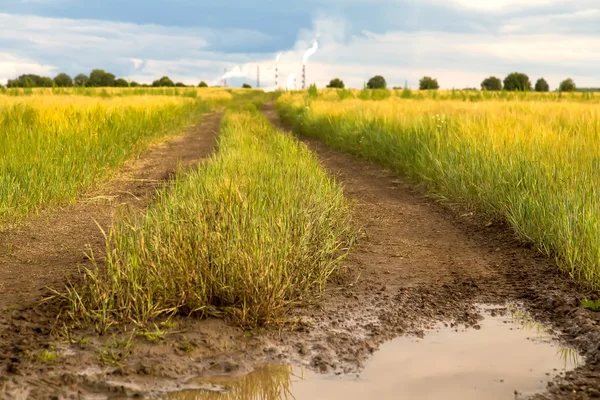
(519, 81)
(97, 78)
(515, 81)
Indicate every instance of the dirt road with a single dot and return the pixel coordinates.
(418, 263)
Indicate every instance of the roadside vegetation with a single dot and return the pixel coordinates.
(56, 148)
(255, 230)
(531, 159)
(204, 93)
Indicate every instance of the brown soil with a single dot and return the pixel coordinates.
(419, 263)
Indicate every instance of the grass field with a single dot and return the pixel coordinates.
(530, 159)
(212, 94)
(471, 96)
(257, 229)
(54, 148)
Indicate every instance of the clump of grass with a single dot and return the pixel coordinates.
(84, 343)
(531, 161)
(185, 345)
(257, 229)
(592, 305)
(47, 356)
(153, 335)
(116, 351)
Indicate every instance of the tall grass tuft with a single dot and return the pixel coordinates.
(532, 163)
(257, 229)
(55, 148)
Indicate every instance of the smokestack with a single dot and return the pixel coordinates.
(224, 79)
(277, 71)
(303, 76)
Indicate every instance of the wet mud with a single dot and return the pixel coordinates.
(506, 356)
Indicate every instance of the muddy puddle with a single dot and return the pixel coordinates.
(506, 356)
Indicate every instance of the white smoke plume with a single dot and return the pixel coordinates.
(310, 52)
(277, 58)
(136, 62)
(236, 72)
(289, 85)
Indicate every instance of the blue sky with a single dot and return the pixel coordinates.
(459, 42)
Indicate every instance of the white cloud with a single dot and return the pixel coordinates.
(147, 52)
(12, 66)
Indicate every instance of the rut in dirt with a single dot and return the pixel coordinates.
(422, 262)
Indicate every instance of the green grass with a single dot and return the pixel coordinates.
(256, 230)
(48, 356)
(592, 305)
(54, 149)
(533, 163)
(116, 351)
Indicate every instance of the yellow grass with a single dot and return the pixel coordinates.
(530, 161)
(56, 147)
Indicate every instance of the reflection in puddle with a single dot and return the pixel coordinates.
(508, 353)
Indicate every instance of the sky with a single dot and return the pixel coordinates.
(458, 42)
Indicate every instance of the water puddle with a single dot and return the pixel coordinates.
(508, 353)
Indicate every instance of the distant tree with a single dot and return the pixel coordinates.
(180, 84)
(491, 83)
(517, 81)
(202, 84)
(246, 86)
(81, 80)
(165, 81)
(13, 83)
(336, 83)
(567, 86)
(63, 80)
(428, 83)
(121, 83)
(542, 86)
(46, 81)
(133, 84)
(30, 81)
(377, 82)
(101, 78)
